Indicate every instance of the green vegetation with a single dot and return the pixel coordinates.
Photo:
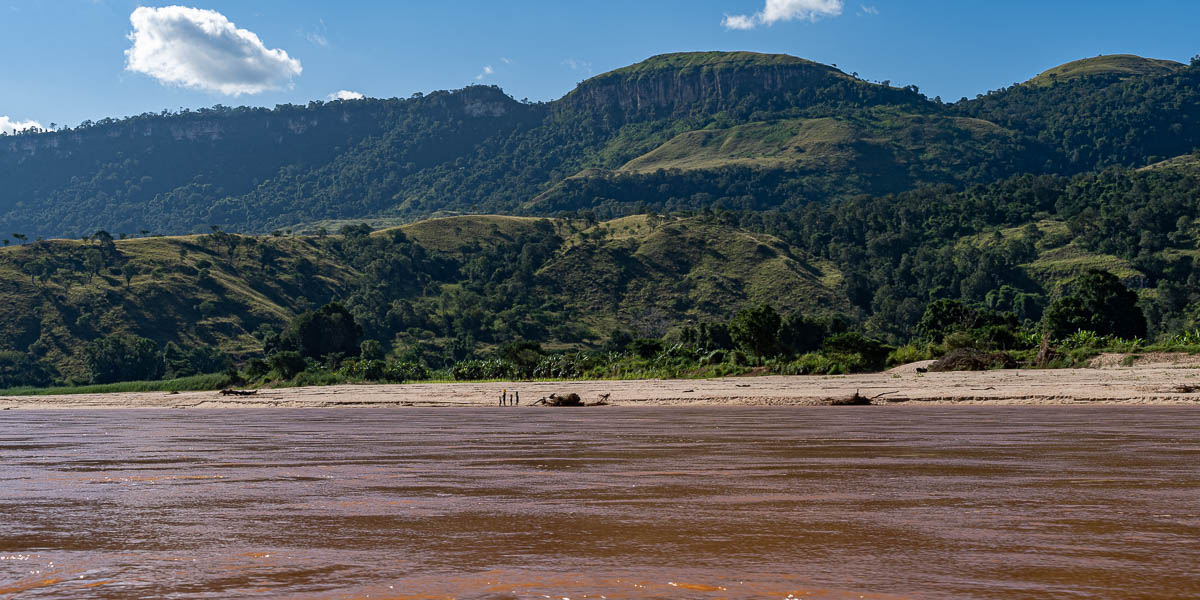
(184, 384)
(695, 214)
(1120, 65)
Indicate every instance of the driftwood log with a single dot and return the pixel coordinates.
(571, 399)
(238, 392)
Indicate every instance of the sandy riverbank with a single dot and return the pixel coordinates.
(1156, 382)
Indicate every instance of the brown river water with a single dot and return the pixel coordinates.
(613, 502)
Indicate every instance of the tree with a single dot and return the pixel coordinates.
(756, 330)
(799, 334)
(193, 361)
(316, 334)
(94, 262)
(943, 317)
(18, 369)
(1096, 301)
(370, 350)
(287, 364)
(873, 352)
(122, 357)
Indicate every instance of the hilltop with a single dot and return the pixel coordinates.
(477, 150)
(1117, 65)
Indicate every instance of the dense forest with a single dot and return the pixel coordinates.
(698, 213)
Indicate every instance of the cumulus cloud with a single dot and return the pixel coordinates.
(487, 71)
(869, 10)
(346, 95)
(785, 10)
(202, 49)
(8, 125)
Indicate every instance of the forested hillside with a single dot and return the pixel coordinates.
(660, 202)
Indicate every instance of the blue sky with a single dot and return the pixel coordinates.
(66, 60)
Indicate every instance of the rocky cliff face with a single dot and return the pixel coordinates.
(674, 82)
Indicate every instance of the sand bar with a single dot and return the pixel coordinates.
(1156, 382)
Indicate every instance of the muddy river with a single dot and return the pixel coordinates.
(612, 502)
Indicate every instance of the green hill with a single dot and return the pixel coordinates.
(638, 268)
(424, 285)
(1120, 65)
(673, 191)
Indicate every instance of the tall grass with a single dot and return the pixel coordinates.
(194, 383)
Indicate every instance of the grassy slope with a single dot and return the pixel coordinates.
(617, 272)
(825, 143)
(1187, 162)
(632, 272)
(164, 300)
(1058, 260)
(456, 235)
(1125, 65)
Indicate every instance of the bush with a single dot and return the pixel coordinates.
(823, 363)
(646, 348)
(969, 359)
(370, 370)
(257, 368)
(287, 364)
(492, 368)
(715, 357)
(565, 366)
(909, 353)
(872, 354)
(401, 371)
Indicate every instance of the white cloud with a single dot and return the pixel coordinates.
(487, 71)
(507, 61)
(869, 10)
(319, 38)
(346, 95)
(785, 10)
(739, 22)
(202, 49)
(8, 125)
(578, 65)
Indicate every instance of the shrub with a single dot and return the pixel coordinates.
(492, 368)
(565, 366)
(371, 370)
(287, 364)
(646, 348)
(909, 353)
(401, 371)
(872, 353)
(715, 357)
